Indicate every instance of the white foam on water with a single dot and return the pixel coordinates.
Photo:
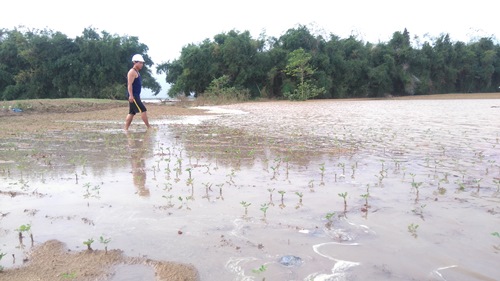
(234, 266)
(339, 269)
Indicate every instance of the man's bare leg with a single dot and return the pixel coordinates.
(144, 116)
(128, 121)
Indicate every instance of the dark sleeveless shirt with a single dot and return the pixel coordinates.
(137, 85)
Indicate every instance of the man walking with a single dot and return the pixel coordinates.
(134, 86)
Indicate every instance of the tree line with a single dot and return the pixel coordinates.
(335, 67)
(38, 64)
(296, 65)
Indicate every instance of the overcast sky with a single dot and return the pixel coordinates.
(165, 27)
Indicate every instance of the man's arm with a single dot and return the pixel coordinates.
(131, 75)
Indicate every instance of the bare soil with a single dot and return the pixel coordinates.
(52, 261)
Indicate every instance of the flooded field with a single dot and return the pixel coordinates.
(319, 190)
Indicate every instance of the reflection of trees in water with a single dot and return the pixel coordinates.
(139, 145)
(236, 148)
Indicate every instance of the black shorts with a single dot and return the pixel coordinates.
(136, 107)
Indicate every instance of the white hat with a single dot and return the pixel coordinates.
(137, 57)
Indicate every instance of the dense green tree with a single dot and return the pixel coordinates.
(48, 64)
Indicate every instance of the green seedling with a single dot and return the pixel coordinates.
(190, 182)
(105, 241)
(1, 256)
(245, 205)
(274, 172)
(169, 198)
(461, 185)
(154, 171)
(91, 192)
(311, 185)
(208, 168)
(271, 190)
(189, 172)
(282, 193)
(380, 178)
(419, 211)
(68, 275)
(300, 198)
(89, 244)
(416, 185)
(497, 182)
(496, 234)
(412, 228)
(287, 166)
(344, 195)
(259, 270)
(329, 216)
(365, 196)
(208, 187)
(412, 177)
(477, 181)
(264, 208)
(231, 176)
(342, 165)
(25, 228)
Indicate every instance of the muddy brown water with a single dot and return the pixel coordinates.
(234, 192)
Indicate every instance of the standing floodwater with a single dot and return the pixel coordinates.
(320, 190)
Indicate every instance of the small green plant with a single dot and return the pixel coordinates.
(300, 197)
(322, 169)
(260, 270)
(412, 228)
(71, 275)
(89, 244)
(105, 241)
(311, 185)
(461, 185)
(419, 211)
(25, 228)
(329, 216)
(342, 165)
(477, 181)
(245, 205)
(1, 256)
(282, 193)
(365, 196)
(496, 234)
(271, 190)
(264, 208)
(497, 182)
(189, 171)
(412, 177)
(416, 185)
(91, 191)
(344, 195)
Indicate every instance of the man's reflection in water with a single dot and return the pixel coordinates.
(138, 146)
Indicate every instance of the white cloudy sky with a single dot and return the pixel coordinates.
(165, 26)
